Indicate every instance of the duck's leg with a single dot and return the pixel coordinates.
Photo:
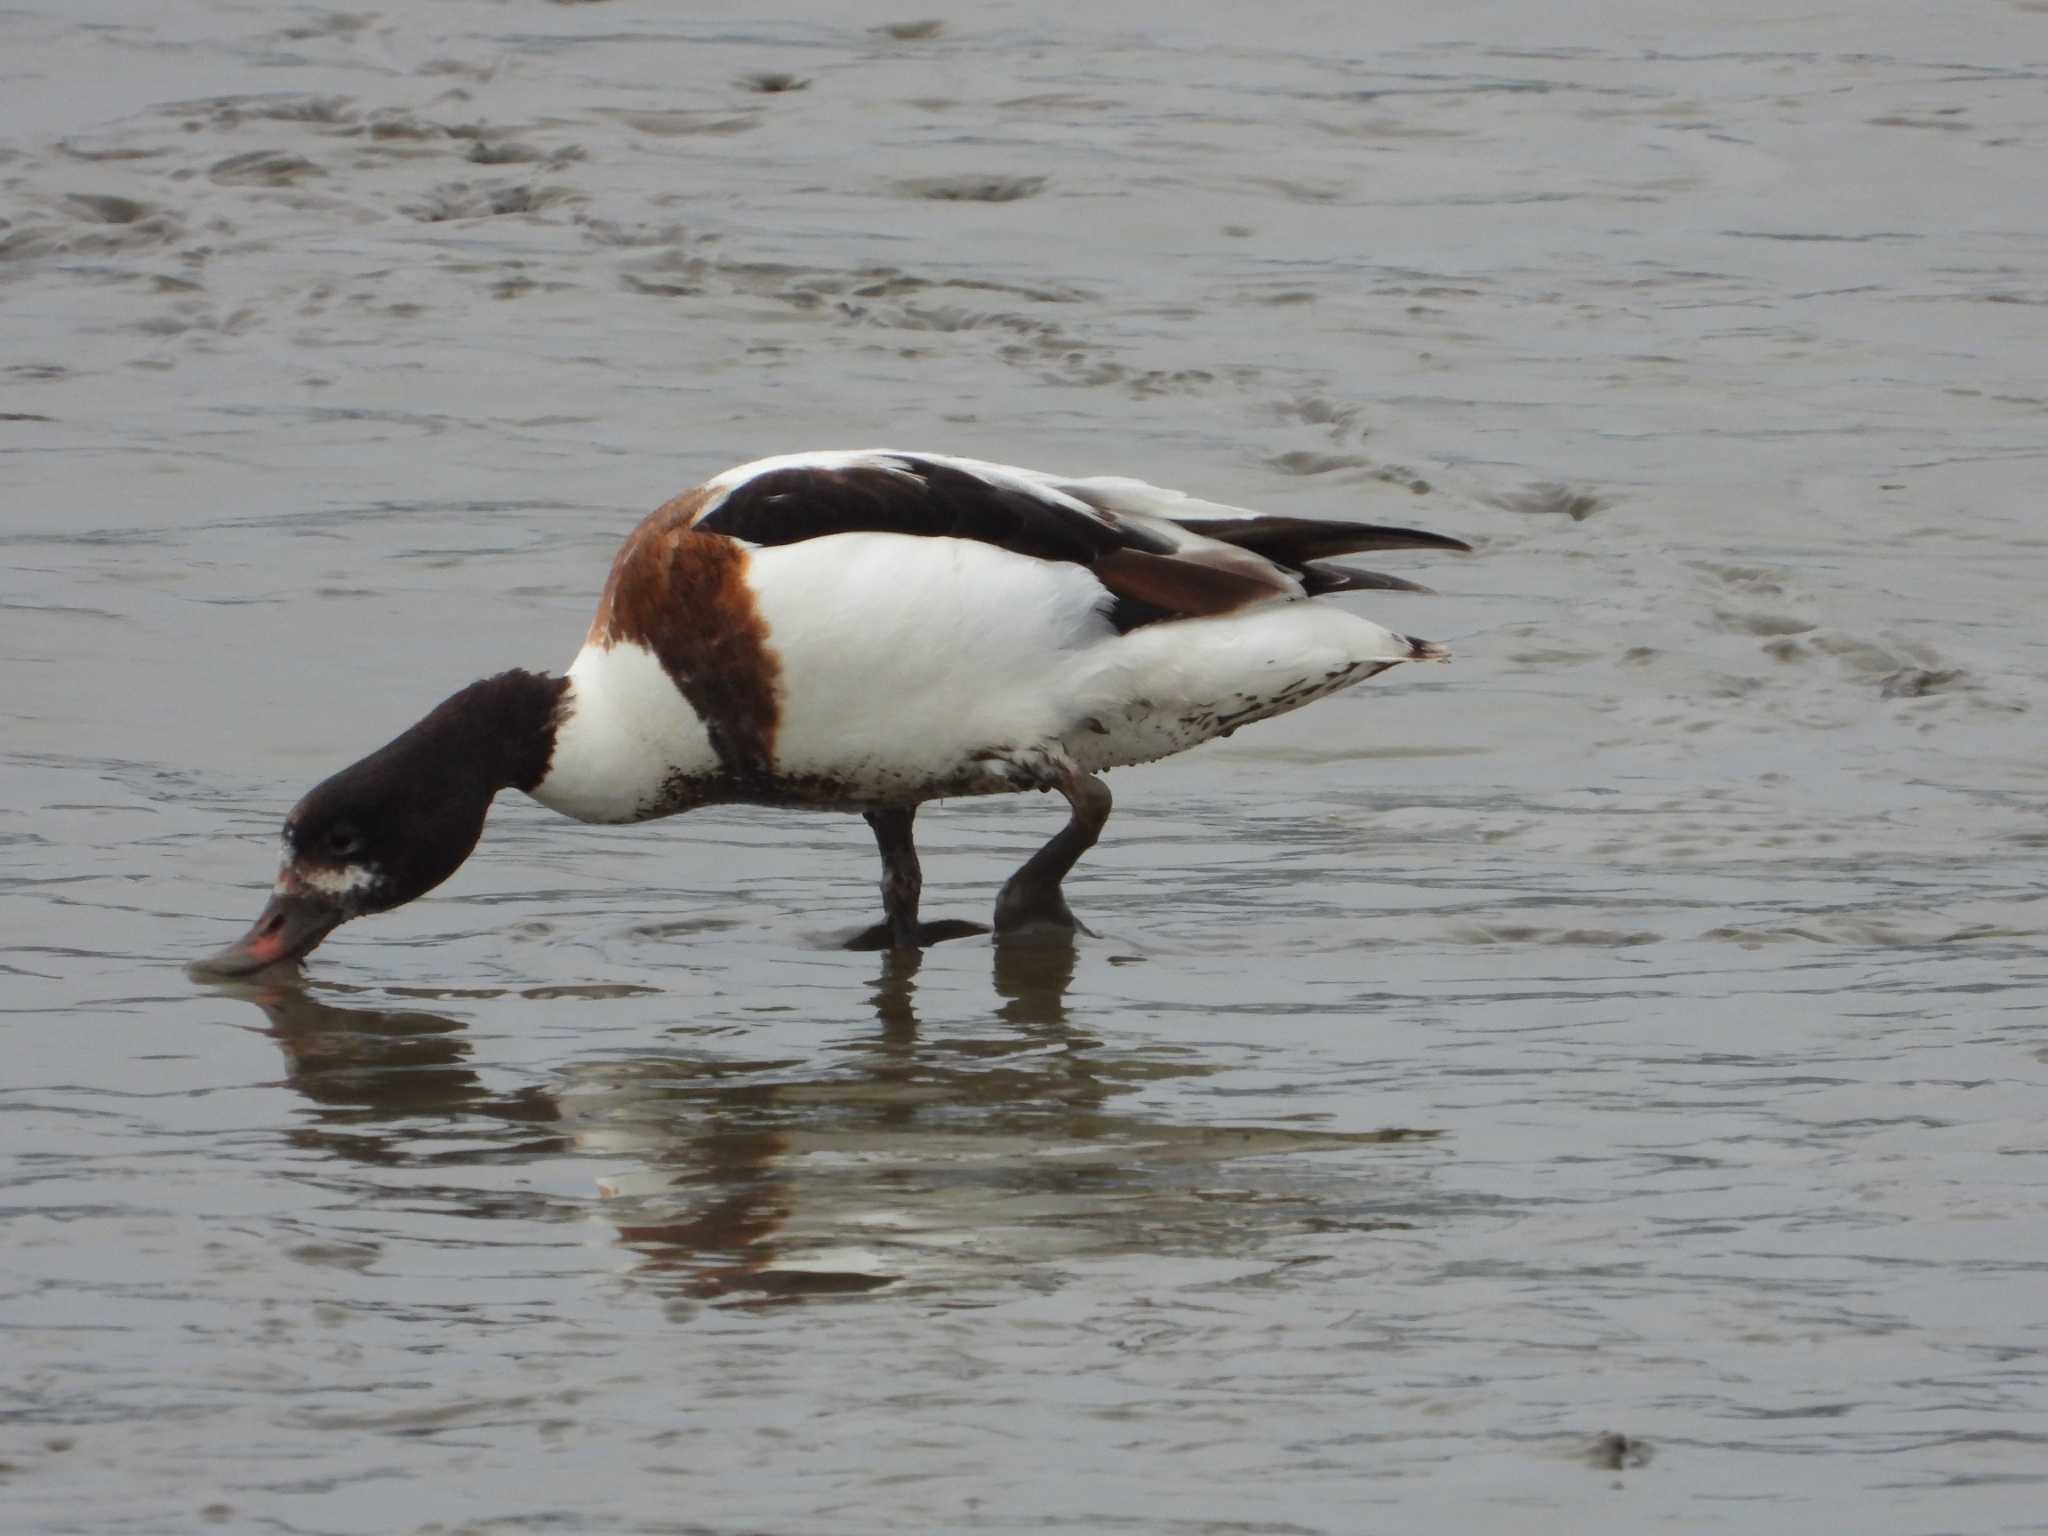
(1030, 903)
(902, 885)
(902, 878)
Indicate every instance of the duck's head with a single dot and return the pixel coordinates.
(395, 825)
(373, 837)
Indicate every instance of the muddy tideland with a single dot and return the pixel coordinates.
(1597, 1086)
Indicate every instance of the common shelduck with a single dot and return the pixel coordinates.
(865, 631)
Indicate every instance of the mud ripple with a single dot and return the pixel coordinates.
(679, 123)
(102, 208)
(285, 107)
(1342, 421)
(463, 200)
(772, 83)
(1550, 499)
(1303, 461)
(262, 168)
(1918, 682)
(972, 189)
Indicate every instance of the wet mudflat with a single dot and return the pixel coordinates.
(1596, 1086)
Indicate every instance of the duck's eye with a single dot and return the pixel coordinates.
(342, 841)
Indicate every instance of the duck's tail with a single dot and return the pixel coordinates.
(1296, 544)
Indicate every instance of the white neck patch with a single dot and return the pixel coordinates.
(348, 880)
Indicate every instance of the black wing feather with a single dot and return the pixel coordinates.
(787, 506)
(1319, 579)
(1298, 540)
(926, 499)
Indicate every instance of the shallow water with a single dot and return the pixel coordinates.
(1631, 1030)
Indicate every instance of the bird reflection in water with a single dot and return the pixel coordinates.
(897, 1157)
(376, 1073)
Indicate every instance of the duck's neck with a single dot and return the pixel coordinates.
(500, 732)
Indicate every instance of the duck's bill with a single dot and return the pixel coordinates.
(289, 929)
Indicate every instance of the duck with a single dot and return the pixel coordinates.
(865, 631)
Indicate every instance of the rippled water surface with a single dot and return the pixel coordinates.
(1598, 1086)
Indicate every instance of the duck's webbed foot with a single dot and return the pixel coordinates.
(902, 886)
(885, 936)
(1031, 906)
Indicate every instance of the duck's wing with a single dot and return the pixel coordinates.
(1153, 564)
(1150, 568)
(1292, 543)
